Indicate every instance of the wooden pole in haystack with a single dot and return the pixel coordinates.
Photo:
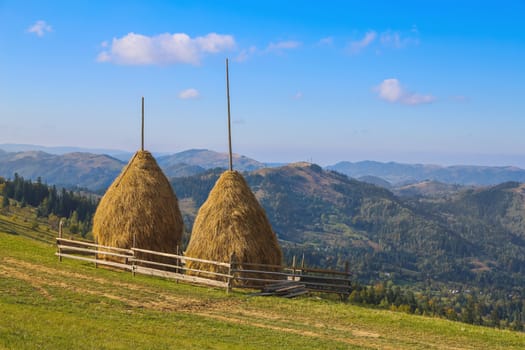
(229, 120)
(142, 143)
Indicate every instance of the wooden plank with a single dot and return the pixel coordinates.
(179, 276)
(295, 286)
(308, 285)
(182, 258)
(217, 263)
(156, 263)
(100, 262)
(287, 289)
(94, 245)
(329, 272)
(101, 252)
(296, 294)
(159, 273)
(261, 272)
(320, 279)
(280, 284)
(169, 255)
(263, 265)
(200, 280)
(218, 274)
(237, 278)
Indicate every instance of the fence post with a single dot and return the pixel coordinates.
(347, 271)
(133, 262)
(230, 273)
(58, 242)
(294, 278)
(96, 254)
(177, 262)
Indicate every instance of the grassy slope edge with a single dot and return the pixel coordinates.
(48, 304)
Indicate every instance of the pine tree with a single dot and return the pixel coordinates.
(5, 202)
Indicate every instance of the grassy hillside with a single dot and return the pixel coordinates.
(48, 304)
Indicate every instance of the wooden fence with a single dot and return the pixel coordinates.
(132, 259)
(227, 275)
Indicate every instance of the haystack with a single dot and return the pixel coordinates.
(232, 221)
(140, 209)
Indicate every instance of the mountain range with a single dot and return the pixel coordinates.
(399, 174)
(95, 171)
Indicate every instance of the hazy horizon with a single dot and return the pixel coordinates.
(468, 160)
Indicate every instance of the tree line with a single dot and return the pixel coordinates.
(48, 200)
(469, 305)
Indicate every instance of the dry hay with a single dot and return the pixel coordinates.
(139, 205)
(232, 221)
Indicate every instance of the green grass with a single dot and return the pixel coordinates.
(49, 304)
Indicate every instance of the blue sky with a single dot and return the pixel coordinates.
(410, 81)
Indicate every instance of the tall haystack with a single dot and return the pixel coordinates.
(140, 209)
(232, 221)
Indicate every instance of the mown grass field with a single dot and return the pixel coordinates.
(47, 304)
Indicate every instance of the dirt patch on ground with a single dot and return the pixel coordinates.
(40, 277)
(360, 333)
(13, 273)
(302, 332)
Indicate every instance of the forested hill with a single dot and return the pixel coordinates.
(84, 170)
(474, 237)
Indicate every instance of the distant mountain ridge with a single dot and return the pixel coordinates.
(97, 171)
(59, 150)
(84, 170)
(398, 173)
(195, 161)
(209, 159)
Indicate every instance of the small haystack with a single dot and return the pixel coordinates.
(232, 221)
(140, 209)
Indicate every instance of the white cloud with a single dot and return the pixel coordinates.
(417, 99)
(245, 54)
(386, 39)
(40, 28)
(189, 94)
(138, 49)
(277, 48)
(396, 40)
(283, 45)
(103, 57)
(357, 46)
(391, 90)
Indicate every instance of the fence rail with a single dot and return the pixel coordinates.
(233, 273)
